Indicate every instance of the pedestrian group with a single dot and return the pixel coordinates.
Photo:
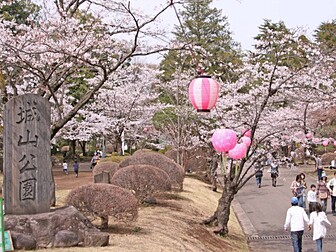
(317, 198)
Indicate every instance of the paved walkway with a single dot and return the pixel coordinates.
(262, 213)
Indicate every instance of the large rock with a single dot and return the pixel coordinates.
(45, 227)
(103, 177)
(23, 241)
(65, 238)
(96, 239)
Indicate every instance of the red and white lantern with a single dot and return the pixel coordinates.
(203, 93)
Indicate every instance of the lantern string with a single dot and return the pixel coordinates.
(199, 70)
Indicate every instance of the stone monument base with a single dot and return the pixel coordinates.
(64, 227)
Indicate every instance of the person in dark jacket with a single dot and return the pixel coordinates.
(258, 174)
(76, 168)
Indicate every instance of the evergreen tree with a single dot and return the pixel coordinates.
(326, 35)
(19, 11)
(207, 40)
(279, 45)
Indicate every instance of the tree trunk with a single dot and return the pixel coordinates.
(73, 147)
(118, 144)
(83, 147)
(211, 172)
(222, 214)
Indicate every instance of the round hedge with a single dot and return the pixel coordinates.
(103, 201)
(174, 170)
(108, 166)
(143, 180)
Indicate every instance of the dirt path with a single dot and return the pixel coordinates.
(66, 182)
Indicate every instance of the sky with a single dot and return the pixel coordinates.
(245, 16)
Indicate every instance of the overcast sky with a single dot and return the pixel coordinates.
(246, 15)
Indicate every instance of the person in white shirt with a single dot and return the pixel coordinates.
(311, 198)
(332, 189)
(296, 218)
(318, 219)
(65, 167)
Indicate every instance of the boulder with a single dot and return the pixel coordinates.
(103, 177)
(45, 227)
(96, 239)
(65, 238)
(23, 241)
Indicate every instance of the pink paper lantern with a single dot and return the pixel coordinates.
(325, 143)
(309, 135)
(203, 93)
(246, 140)
(238, 152)
(247, 133)
(224, 140)
(334, 143)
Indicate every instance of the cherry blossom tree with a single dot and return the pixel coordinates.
(266, 99)
(126, 104)
(81, 43)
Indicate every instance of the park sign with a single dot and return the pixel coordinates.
(27, 162)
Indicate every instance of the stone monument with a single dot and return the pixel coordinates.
(27, 162)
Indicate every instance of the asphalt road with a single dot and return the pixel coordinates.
(262, 213)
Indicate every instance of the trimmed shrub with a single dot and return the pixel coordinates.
(143, 180)
(115, 159)
(141, 151)
(174, 170)
(103, 201)
(108, 166)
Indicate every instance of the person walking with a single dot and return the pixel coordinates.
(76, 168)
(304, 184)
(259, 174)
(318, 219)
(296, 218)
(297, 189)
(319, 167)
(331, 187)
(322, 192)
(65, 167)
(274, 173)
(311, 198)
(94, 161)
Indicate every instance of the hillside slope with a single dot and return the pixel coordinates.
(172, 225)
